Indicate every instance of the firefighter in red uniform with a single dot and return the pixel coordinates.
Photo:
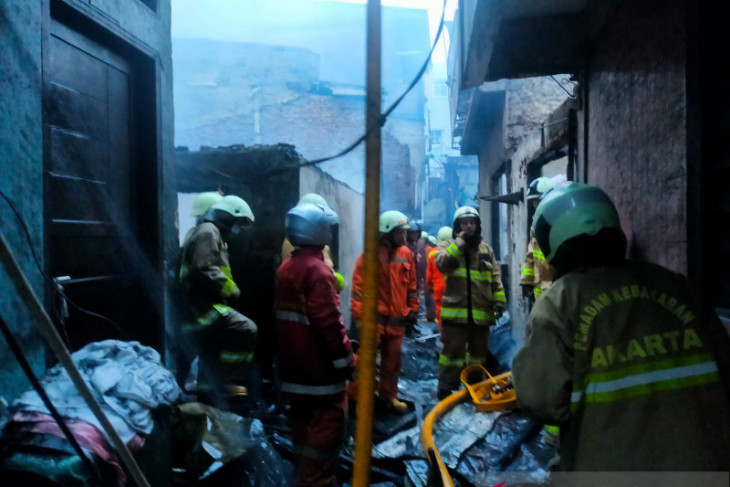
(397, 303)
(314, 353)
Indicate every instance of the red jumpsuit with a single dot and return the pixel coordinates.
(315, 360)
(397, 297)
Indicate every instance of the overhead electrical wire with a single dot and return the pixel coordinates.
(383, 117)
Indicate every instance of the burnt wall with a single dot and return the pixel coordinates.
(350, 207)
(267, 177)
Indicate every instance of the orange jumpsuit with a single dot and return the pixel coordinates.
(397, 297)
(435, 283)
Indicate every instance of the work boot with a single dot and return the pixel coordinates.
(399, 406)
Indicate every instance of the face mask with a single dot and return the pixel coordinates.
(235, 229)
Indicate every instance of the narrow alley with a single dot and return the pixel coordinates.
(341, 243)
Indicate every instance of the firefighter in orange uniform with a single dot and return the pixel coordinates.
(398, 303)
(435, 282)
(314, 353)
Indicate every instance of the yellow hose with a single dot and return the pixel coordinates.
(429, 446)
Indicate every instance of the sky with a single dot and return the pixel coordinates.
(267, 21)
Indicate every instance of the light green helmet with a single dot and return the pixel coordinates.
(433, 240)
(235, 206)
(424, 234)
(392, 219)
(204, 201)
(445, 233)
(314, 199)
(571, 209)
(542, 185)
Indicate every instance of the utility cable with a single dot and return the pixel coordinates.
(570, 95)
(383, 117)
(53, 284)
(20, 357)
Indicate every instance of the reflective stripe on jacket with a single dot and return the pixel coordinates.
(314, 352)
(397, 291)
(205, 273)
(536, 271)
(487, 293)
(620, 359)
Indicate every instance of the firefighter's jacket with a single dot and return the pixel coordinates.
(487, 293)
(620, 359)
(419, 258)
(397, 291)
(314, 353)
(287, 248)
(205, 273)
(536, 271)
(434, 279)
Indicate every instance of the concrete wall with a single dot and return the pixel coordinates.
(636, 123)
(21, 167)
(21, 151)
(350, 207)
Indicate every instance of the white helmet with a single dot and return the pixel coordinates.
(234, 206)
(466, 212)
(204, 201)
(392, 219)
(445, 233)
(310, 224)
(314, 199)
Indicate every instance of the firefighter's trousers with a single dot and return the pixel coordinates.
(463, 344)
(390, 345)
(225, 342)
(318, 434)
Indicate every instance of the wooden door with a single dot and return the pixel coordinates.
(91, 225)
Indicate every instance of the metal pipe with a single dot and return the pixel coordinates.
(50, 333)
(368, 334)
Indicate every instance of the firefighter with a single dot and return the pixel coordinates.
(429, 242)
(435, 282)
(223, 338)
(287, 247)
(417, 245)
(618, 353)
(202, 203)
(537, 274)
(472, 300)
(181, 356)
(398, 303)
(314, 353)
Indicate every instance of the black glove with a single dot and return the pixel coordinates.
(412, 318)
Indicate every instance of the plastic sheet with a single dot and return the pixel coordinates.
(214, 447)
